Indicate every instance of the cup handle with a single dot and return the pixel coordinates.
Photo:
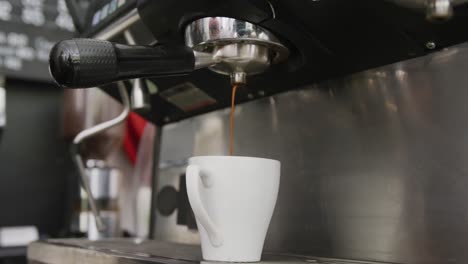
(193, 179)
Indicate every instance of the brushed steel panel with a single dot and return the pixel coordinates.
(374, 165)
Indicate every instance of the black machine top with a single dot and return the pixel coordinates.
(101, 13)
(326, 39)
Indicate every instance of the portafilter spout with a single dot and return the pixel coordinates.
(238, 47)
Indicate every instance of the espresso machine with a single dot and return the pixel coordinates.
(175, 63)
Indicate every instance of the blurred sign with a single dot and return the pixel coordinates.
(28, 30)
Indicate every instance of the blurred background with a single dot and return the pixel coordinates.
(40, 195)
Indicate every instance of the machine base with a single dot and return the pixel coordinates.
(135, 251)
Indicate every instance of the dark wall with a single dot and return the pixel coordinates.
(34, 163)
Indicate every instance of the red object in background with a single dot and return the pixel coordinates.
(134, 128)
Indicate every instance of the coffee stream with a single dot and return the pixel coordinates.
(231, 130)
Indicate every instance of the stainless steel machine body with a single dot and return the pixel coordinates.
(373, 164)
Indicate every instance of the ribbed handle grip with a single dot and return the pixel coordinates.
(82, 63)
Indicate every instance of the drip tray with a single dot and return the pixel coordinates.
(134, 251)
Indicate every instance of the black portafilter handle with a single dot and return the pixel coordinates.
(83, 63)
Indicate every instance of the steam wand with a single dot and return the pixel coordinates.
(89, 133)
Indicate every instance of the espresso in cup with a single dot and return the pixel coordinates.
(233, 199)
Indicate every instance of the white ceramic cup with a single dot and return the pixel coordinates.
(233, 199)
